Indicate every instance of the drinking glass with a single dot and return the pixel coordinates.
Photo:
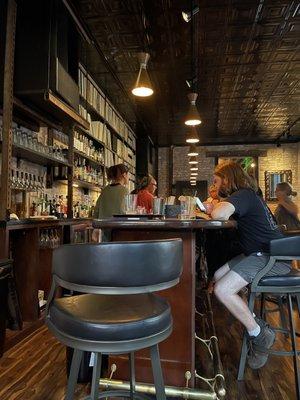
(184, 211)
(188, 208)
(47, 240)
(42, 239)
(24, 139)
(130, 203)
(158, 205)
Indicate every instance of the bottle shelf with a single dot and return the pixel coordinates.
(92, 161)
(86, 185)
(36, 157)
(88, 133)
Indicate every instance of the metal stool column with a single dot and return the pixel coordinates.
(157, 373)
(294, 345)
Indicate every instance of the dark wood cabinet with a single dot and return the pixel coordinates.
(46, 54)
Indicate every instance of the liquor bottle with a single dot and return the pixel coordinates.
(56, 172)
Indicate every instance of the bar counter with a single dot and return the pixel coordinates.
(20, 240)
(178, 351)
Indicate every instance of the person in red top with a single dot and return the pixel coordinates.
(145, 195)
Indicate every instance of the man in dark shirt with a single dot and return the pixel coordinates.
(256, 228)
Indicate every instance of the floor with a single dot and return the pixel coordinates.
(35, 368)
(275, 381)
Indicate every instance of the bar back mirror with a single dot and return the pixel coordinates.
(272, 179)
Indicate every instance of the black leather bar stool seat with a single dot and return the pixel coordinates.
(292, 279)
(117, 312)
(90, 316)
(282, 286)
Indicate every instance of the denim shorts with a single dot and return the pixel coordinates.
(248, 266)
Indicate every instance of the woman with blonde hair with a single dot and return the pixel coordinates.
(286, 213)
(256, 227)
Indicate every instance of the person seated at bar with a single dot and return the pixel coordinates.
(212, 200)
(286, 213)
(111, 199)
(213, 195)
(146, 192)
(256, 227)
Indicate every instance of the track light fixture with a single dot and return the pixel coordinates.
(143, 87)
(187, 15)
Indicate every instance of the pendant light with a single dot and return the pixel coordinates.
(194, 173)
(143, 87)
(193, 160)
(192, 136)
(194, 168)
(193, 117)
(193, 151)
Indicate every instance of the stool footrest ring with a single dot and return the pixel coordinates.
(120, 393)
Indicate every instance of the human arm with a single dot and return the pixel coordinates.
(289, 206)
(97, 208)
(223, 210)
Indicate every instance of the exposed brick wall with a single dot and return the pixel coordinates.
(181, 170)
(278, 158)
(163, 171)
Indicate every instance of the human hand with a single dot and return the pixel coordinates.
(95, 236)
(208, 207)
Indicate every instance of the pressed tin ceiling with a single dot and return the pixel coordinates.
(248, 65)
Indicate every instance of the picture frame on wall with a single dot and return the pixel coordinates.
(272, 178)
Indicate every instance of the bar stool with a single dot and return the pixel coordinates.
(118, 312)
(288, 285)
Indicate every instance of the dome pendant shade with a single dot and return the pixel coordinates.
(143, 87)
(193, 151)
(193, 160)
(192, 136)
(193, 117)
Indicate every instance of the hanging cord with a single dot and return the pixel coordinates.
(192, 47)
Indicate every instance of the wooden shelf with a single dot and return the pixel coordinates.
(65, 109)
(36, 157)
(92, 161)
(52, 110)
(88, 133)
(95, 113)
(87, 185)
(91, 110)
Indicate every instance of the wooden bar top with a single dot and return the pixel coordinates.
(34, 223)
(163, 224)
